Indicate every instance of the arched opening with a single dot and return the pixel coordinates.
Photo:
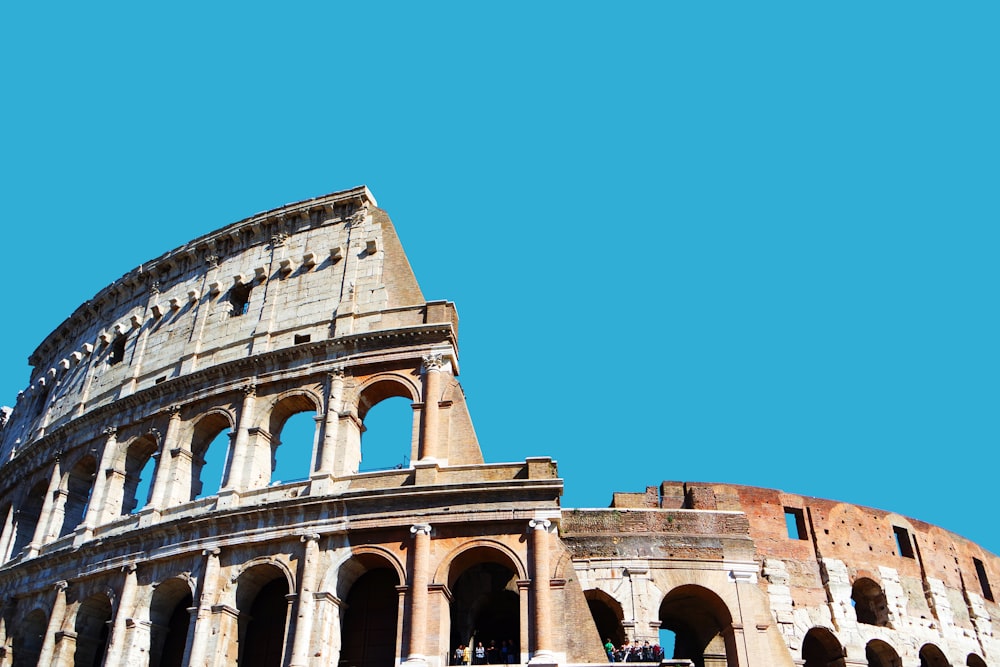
(820, 648)
(931, 656)
(92, 627)
(27, 516)
(168, 612)
(293, 435)
(608, 615)
(701, 624)
(117, 353)
(369, 627)
(263, 616)
(485, 604)
(974, 661)
(239, 298)
(28, 639)
(387, 438)
(140, 467)
(880, 654)
(79, 483)
(870, 604)
(210, 453)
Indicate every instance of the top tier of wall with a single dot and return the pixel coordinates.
(321, 269)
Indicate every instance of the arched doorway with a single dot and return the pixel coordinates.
(485, 604)
(28, 639)
(387, 437)
(820, 648)
(293, 429)
(93, 620)
(263, 616)
(608, 615)
(974, 660)
(870, 605)
(168, 611)
(79, 483)
(931, 656)
(371, 619)
(702, 626)
(28, 514)
(880, 654)
(210, 454)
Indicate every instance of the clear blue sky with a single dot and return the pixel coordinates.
(743, 242)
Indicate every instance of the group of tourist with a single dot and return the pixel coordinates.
(505, 654)
(629, 652)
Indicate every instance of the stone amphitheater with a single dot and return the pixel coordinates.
(119, 548)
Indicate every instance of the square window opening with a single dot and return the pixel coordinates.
(795, 523)
(904, 546)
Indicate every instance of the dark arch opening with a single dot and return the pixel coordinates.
(975, 661)
(117, 353)
(28, 639)
(820, 648)
(79, 483)
(485, 607)
(260, 596)
(870, 604)
(608, 615)
(369, 635)
(931, 656)
(27, 516)
(880, 654)
(92, 627)
(168, 611)
(210, 452)
(699, 620)
(293, 434)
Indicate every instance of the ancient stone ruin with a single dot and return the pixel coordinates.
(120, 546)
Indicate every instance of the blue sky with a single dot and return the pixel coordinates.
(741, 242)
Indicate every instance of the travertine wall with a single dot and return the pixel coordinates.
(313, 308)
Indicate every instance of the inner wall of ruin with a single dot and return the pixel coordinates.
(208, 350)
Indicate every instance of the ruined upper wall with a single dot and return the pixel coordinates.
(316, 270)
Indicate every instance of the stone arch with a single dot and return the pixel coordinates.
(204, 432)
(607, 614)
(231, 595)
(368, 583)
(880, 654)
(92, 627)
(821, 648)
(29, 637)
(78, 483)
(973, 660)
(138, 459)
(702, 624)
(260, 594)
(285, 406)
(870, 604)
(168, 614)
(28, 514)
(483, 577)
(371, 392)
(361, 559)
(932, 656)
(445, 572)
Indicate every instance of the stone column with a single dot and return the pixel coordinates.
(415, 654)
(126, 601)
(432, 397)
(56, 618)
(331, 419)
(164, 467)
(235, 473)
(42, 527)
(542, 595)
(201, 613)
(306, 601)
(7, 535)
(99, 493)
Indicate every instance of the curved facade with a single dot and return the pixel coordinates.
(121, 543)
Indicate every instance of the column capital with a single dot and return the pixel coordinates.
(128, 568)
(420, 529)
(539, 524)
(337, 373)
(433, 362)
(211, 552)
(110, 431)
(309, 537)
(249, 389)
(174, 411)
(60, 585)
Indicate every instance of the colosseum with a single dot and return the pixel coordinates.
(118, 546)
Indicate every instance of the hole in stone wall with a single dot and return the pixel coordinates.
(795, 523)
(117, 353)
(983, 579)
(302, 338)
(904, 547)
(239, 299)
(294, 454)
(385, 443)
